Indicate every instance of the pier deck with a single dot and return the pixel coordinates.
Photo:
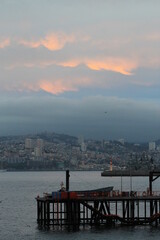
(99, 207)
(98, 210)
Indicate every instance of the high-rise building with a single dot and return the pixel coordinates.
(80, 139)
(83, 147)
(40, 143)
(152, 146)
(38, 152)
(28, 143)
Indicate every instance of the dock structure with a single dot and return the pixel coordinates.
(128, 173)
(125, 173)
(105, 206)
(153, 175)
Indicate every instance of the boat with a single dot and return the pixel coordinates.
(105, 189)
(100, 192)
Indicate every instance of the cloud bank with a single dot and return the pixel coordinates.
(132, 120)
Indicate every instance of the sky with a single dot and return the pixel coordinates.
(89, 67)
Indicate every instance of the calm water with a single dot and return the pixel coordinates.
(18, 205)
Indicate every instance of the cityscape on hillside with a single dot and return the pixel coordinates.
(53, 151)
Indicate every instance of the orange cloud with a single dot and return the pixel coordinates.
(56, 87)
(30, 44)
(53, 41)
(70, 63)
(122, 66)
(43, 64)
(4, 43)
(63, 85)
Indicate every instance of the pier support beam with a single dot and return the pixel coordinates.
(74, 212)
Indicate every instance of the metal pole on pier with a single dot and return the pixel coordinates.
(150, 182)
(121, 181)
(130, 173)
(67, 180)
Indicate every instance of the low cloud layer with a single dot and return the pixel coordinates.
(132, 120)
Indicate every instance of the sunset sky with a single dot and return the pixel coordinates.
(65, 63)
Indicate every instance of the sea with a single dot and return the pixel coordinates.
(18, 205)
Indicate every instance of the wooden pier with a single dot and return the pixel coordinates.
(76, 209)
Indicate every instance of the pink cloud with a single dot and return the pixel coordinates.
(53, 41)
(121, 65)
(63, 85)
(53, 86)
(56, 87)
(4, 43)
(70, 63)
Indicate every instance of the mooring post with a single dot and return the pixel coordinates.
(67, 180)
(38, 212)
(150, 190)
(68, 203)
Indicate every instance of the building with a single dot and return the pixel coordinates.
(83, 147)
(121, 140)
(28, 143)
(80, 140)
(152, 146)
(38, 152)
(40, 143)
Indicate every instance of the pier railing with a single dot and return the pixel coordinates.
(71, 195)
(117, 193)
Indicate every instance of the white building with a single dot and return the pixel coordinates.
(152, 146)
(83, 147)
(28, 143)
(121, 140)
(38, 152)
(158, 148)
